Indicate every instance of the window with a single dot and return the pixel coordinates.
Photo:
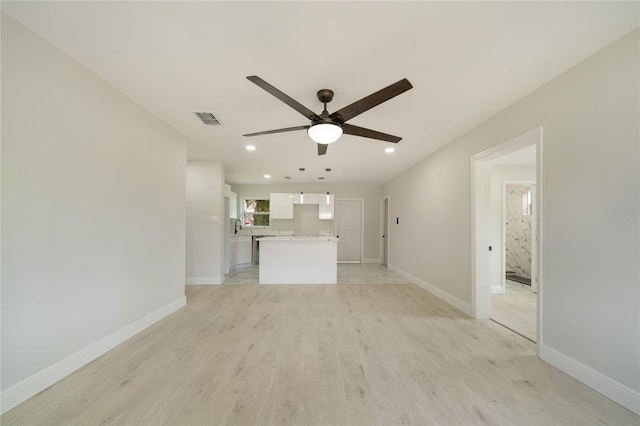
(255, 212)
(526, 204)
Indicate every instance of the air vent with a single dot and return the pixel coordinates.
(208, 118)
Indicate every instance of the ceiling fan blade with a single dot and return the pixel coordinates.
(284, 98)
(322, 148)
(350, 129)
(365, 104)
(268, 132)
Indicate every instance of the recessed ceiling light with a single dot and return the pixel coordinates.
(321, 177)
(301, 169)
(267, 176)
(250, 148)
(287, 177)
(389, 150)
(327, 170)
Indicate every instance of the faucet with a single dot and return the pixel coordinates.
(238, 222)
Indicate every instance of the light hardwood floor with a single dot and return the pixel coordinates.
(348, 273)
(319, 355)
(516, 309)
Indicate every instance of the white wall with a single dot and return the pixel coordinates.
(499, 174)
(92, 215)
(370, 194)
(205, 222)
(590, 298)
(306, 221)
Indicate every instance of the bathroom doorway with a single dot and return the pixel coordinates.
(505, 260)
(514, 301)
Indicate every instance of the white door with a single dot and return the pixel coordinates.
(349, 230)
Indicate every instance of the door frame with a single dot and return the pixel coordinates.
(361, 200)
(384, 230)
(226, 264)
(480, 233)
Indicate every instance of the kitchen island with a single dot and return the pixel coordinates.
(298, 260)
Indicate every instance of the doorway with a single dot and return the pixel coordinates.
(349, 229)
(498, 262)
(514, 299)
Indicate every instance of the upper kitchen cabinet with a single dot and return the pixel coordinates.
(233, 206)
(233, 201)
(327, 203)
(304, 198)
(281, 206)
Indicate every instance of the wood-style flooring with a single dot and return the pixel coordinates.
(319, 355)
(516, 309)
(348, 273)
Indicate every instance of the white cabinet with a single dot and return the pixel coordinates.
(233, 205)
(326, 208)
(244, 250)
(233, 252)
(325, 202)
(239, 251)
(305, 198)
(233, 201)
(281, 206)
(287, 206)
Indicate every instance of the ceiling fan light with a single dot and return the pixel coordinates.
(325, 133)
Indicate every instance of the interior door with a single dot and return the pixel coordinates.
(349, 230)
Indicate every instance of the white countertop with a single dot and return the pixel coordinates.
(263, 232)
(291, 238)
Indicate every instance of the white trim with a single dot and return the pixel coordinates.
(441, 294)
(384, 236)
(50, 375)
(480, 238)
(372, 260)
(203, 281)
(534, 241)
(538, 212)
(612, 389)
(497, 289)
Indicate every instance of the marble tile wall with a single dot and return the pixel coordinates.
(518, 232)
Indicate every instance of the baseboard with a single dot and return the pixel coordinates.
(612, 389)
(203, 281)
(452, 300)
(371, 260)
(47, 377)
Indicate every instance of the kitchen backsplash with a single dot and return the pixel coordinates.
(305, 222)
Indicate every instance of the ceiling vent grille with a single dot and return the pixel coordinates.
(208, 118)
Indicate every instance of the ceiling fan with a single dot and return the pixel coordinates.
(327, 128)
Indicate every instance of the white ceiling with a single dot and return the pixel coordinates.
(467, 61)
